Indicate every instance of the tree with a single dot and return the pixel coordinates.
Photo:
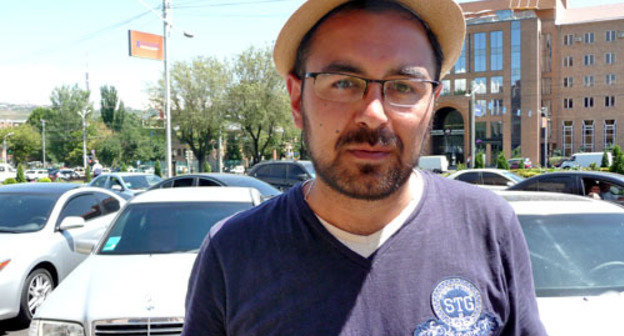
(157, 168)
(618, 159)
(233, 147)
(501, 161)
(258, 101)
(25, 143)
(479, 160)
(88, 174)
(605, 159)
(198, 93)
(38, 114)
(20, 178)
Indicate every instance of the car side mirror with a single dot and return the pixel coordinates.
(72, 222)
(116, 187)
(84, 246)
(302, 177)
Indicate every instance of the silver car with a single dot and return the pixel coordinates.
(38, 224)
(136, 280)
(126, 185)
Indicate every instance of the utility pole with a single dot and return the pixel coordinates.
(84, 138)
(4, 146)
(166, 7)
(544, 114)
(43, 147)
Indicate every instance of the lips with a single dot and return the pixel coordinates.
(369, 153)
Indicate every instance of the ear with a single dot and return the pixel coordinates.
(294, 87)
(438, 91)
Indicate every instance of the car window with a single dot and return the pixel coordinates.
(166, 227)
(310, 168)
(141, 181)
(115, 182)
(109, 204)
(471, 177)
(262, 171)
(204, 182)
(278, 171)
(494, 179)
(168, 184)
(99, 182)
(86, 206)
(295, 171)
(183, 182)
(29, 212)
(561, 184)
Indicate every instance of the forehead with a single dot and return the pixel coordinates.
(372, 43)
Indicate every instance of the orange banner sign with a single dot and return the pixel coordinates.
(145, 45)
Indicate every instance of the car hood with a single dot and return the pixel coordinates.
(105, 287)
(582, 315)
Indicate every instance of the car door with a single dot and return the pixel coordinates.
(279, 176)
(561, 184)
(296, 174)
(97, 209)
(494, 181)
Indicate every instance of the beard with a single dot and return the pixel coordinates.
(363, 181)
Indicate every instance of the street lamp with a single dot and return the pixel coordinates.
(4, 147)
(544, 114)
(472, 108)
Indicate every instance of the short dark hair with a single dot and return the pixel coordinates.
(376, 6)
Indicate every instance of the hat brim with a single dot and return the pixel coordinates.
(444, 17)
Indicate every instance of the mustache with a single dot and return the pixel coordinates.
(380, 136)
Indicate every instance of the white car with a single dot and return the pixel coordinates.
(577, 254)
(38, 224)
(6, 171)
(35, 174)
(489, 178)
(136, 280)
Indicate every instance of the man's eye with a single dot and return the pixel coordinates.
(344, 83)
(401, 87)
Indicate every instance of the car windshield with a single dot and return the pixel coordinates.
(165, 227)
(576, 254)
(513, 176)
(310, 168)
(264, 188)
(25, 212)
(138, 182)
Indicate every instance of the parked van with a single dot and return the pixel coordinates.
(435, 163)
(6, 171)
(584, 160)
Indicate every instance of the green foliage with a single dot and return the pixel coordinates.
(233, 147)
(88, 176)
(618, 160)
(207, 167)
(44, 179)
(592, 166)
(461, 166)
(501, 161)
(157, 169)
(21, 178)
(38, 114)
(24, 144)
(605, 159)
(123, 167)
(10, 180)
(480, 160)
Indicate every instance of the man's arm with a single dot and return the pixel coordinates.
(205, 299)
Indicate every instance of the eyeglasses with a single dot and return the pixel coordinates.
(341, 88)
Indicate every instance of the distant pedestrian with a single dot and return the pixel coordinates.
(97, 169)
(371, 246)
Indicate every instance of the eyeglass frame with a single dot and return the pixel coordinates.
(382, 82)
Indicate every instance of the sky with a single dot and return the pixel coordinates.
(50, 43)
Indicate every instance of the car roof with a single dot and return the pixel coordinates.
(547, 203)
(39, 188)
(125, 174)
(303, 162)
(588, 173)
(213, 194)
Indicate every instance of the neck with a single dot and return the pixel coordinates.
(356, 216)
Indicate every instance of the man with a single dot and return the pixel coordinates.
(97, 169)
(372, 246)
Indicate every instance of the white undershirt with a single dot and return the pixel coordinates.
(367, 245)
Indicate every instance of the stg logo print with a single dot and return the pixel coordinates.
(459, 307)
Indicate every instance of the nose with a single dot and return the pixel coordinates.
(371, 113)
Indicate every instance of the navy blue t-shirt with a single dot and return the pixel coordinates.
(458, 266)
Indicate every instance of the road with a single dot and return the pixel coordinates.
(9, 328)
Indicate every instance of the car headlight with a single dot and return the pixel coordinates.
(55, 328)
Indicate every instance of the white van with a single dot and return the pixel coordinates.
(584, 160)
(6, 171)
(435, 163)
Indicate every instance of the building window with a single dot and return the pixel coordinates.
(446, 87)
(588, 135)
(496, 84)
(480, 52)
(568, 39)
(609, 101)
(610, 79)
(496, 107)
(480, 108)
(568, 82)
(589, 102)
(589, 37)
(610, 58)
(588, 60)
(568, 103)
(496, 50)
(610, 35)
(460, 86)
(588, 80)
(480, 85)
(568, 137)
(610, 130)
(460, 65)
(568, 61)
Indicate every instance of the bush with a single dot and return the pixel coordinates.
(44, 179)
(605, 159)
(618, 161)
(461, 166)
(20, 178)
(157, 169)
(10, 180)
(88, 174)
(501, 162)
(207, 167)
(123, 167)
(480, 160)
(592, 166)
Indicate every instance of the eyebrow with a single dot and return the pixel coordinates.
(406, 71)
(342, 67)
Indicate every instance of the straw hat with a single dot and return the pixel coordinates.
(444, 17)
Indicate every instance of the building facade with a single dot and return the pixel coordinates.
(527, 64)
